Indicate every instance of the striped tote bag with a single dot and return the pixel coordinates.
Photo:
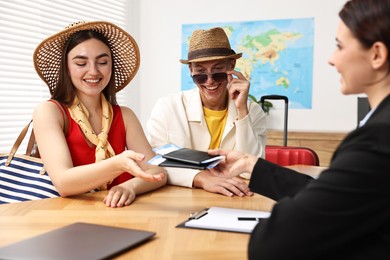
(22, 177)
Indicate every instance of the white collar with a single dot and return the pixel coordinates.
(365, 119)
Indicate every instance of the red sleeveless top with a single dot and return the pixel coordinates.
(83, 154)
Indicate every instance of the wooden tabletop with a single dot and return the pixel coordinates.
(159, 211)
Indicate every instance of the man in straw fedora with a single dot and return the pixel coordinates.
(216, 114)
(86, 140)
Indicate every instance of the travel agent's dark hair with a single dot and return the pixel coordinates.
(368, 20)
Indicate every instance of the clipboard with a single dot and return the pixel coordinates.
(225, 219)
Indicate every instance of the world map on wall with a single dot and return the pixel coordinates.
(277, 56)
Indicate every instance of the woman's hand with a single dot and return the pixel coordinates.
(129, 162)
(119, 196)
(234, 163)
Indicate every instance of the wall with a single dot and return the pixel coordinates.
(160, 43)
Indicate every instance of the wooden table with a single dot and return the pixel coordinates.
(159, 211)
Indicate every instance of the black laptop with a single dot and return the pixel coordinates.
(77, 241)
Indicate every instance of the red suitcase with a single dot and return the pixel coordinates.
(288, 155)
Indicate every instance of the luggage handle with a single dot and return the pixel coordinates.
(274, 97)
(278, 97)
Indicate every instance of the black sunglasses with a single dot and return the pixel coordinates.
(218, 77)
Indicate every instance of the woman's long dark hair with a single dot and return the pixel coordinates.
(65, 92)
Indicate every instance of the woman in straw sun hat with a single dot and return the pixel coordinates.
(86, 140)
(215, 114)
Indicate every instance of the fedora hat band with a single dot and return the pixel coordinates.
(210, 52)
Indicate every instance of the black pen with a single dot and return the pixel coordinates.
(249, 219)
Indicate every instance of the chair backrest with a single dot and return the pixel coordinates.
(291, 155)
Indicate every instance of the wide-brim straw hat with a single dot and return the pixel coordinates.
(125, 51)
(211, 44)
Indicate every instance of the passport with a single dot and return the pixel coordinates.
(170, 155)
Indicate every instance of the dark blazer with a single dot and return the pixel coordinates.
(344, 214)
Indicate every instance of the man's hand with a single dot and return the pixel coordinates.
(225, 186)
(238, 90)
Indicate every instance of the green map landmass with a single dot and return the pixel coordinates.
(264, 48)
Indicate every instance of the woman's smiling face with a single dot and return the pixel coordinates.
(90, 66)
(352, 61)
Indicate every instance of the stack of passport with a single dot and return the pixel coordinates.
(174, 156)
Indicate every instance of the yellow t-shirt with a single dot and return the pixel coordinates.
(216, 121)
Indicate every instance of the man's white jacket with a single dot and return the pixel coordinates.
(179, 119)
